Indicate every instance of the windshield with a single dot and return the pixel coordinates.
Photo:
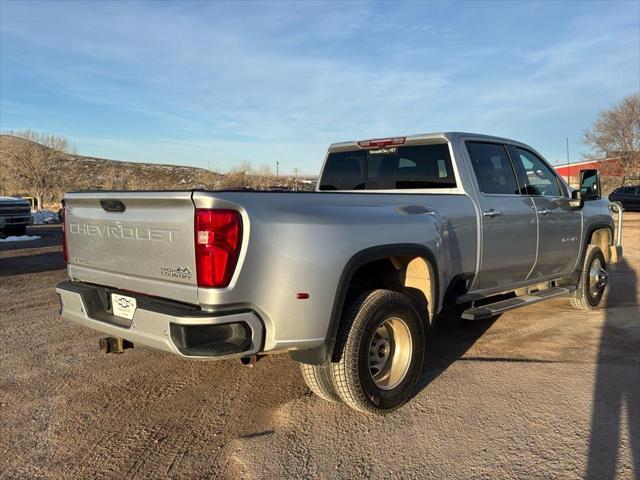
(391, 168)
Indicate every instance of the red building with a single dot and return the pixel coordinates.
(609, 167)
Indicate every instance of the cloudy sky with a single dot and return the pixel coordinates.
(212, 84)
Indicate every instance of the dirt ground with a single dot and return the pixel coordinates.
(542, 392)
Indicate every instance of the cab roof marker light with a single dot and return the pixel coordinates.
(381, 142)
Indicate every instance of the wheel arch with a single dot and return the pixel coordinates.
(324, 353)
(602, 236)
(595, 229)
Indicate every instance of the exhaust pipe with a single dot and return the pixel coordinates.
(114, 345)
(251, 360)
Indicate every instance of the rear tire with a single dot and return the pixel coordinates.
(379, 352)
(318, 379)
(593, 280)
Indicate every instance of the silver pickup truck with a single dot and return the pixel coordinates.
(351, 278)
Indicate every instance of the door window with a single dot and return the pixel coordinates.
(493, 168)
(426, 166)
(538, 176)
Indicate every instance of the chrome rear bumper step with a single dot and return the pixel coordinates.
(487, 311)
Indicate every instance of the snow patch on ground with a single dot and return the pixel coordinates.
(45, 216)
(23, 238)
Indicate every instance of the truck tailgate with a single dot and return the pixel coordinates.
(139, 241)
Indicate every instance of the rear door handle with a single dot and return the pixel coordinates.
(492, 213)
(544, 211)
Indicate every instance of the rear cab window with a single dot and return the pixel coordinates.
(390, 168)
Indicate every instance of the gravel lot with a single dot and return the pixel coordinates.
(542, 392)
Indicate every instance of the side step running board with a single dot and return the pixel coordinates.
(487, 311)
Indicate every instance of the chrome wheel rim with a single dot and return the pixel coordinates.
(598, 278)
(390, 352)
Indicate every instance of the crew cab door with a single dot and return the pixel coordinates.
(508, 219)
(559, 226)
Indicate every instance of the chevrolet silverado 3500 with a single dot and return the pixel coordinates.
(349, 279)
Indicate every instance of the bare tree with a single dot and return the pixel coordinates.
(263, 178)
(7, 182)
(36, 162)
(616, 133)
(239, 176)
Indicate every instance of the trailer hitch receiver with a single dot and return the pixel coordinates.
(114, 345)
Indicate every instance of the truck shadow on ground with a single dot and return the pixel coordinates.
(24, 264)
(617, 387)
(617, 379)
(448, 342)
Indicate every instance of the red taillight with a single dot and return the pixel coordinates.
(381, 142)
(218, 234)
(64, 235)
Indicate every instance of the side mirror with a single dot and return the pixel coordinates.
(576, 202)
(590, 184)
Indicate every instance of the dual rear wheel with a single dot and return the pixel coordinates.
(378, 354)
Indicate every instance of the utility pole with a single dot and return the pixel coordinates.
(277, 168)
(568, 167)
(295, 179)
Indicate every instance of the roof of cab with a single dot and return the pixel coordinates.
(451, 136)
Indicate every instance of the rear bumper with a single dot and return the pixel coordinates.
(165, 325)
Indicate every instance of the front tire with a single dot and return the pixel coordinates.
(593, 280)
(379, 349)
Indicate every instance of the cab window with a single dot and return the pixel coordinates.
(393, 168)
(493, 168)
(344, 171)
(539, 178)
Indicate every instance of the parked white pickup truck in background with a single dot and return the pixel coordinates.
(349, 279)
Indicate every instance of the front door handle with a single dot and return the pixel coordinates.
(492, 213)
(544, 211)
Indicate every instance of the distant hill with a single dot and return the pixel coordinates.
(78, 172)
(81, 172)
